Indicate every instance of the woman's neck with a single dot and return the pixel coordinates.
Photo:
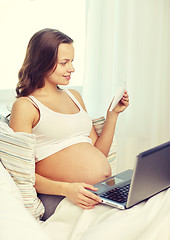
(47, 90)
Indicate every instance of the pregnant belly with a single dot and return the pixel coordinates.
(80, 162)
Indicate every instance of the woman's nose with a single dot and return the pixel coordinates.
(71, 68)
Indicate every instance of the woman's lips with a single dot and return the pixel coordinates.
(67, 77)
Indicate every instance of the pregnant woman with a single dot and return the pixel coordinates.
(70, 157)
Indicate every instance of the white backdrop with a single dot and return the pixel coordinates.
(129, 40)
(20, 19)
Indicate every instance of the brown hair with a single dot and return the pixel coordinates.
(40, 59)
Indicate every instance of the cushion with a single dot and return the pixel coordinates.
(15, 220)
(7, 183)
(17, 154)
(3, 119)
(98, 124)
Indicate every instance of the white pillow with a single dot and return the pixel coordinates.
(8, 184)
(17, 153)
(15, 221)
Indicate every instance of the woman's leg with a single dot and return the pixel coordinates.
(50, 203)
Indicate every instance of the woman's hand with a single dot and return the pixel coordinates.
(78, 194)
(122, 104)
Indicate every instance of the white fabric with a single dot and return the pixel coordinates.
(146, 221)
(129, 40)
(15, 221)
(7, 183)
(56, 131)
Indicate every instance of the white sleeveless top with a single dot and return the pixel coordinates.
(56, 131)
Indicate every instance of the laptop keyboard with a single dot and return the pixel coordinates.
(119, 194)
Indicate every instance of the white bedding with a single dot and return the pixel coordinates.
(16, 222)
(148, 220)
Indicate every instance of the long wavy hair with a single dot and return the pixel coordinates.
(40, 60)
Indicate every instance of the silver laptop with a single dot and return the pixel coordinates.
(150, 176)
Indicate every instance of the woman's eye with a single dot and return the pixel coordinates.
(63, 63)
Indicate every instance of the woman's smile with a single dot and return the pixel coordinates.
(67, 77)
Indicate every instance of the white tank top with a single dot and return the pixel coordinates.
(56, 131)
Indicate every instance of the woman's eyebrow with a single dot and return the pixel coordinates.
(66, 59)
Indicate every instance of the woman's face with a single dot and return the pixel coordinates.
(62, 73)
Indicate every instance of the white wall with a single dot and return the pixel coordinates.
(7, 97)
(20, 19)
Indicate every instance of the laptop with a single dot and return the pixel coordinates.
(150, 176)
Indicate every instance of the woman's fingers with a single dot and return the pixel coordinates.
(89, 186)
(125, 99)
(79, 194)
(87, 203)
(90, 195)
(126, 96)
(88, 200)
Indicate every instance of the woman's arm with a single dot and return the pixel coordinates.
(77, 192)
(104, 141)
(23, 115)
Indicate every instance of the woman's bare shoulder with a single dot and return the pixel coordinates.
(23, 114)
(22, 104)
(78, 96)
(75, 93)
(22, 100)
